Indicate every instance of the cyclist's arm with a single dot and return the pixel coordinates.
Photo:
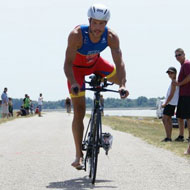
(113, 42)
(74, 43)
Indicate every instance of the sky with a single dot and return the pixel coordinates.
(34, 33)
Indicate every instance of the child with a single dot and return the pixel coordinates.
(170, 104)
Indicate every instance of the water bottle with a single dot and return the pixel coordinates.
(107, 140)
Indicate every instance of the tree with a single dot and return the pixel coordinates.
(108, 103)
(142, 101)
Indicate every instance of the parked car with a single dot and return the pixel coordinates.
(159, 109)
(175, 122)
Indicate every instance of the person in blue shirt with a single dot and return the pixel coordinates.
(5, 100)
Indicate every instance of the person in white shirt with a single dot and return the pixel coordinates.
(40, 103)
(170, 104)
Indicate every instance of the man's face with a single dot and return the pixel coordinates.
(97, 27)
(180, 56)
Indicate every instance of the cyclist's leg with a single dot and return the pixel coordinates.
(78, 102)
(114, 79)
(105, 69)
(78, 127)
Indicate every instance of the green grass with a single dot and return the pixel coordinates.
(3, 120)
(150, 130)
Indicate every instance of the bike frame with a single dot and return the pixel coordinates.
(93, 136)
(94, 131)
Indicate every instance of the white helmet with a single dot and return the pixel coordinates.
(99, 12)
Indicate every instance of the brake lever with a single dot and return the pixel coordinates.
(109, 84)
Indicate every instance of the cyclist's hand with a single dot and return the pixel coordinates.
(75, 89)
(123, 92)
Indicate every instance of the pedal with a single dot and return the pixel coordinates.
(84, 147)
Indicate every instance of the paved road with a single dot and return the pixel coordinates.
(35, 154)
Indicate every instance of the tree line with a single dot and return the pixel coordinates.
(140, 102)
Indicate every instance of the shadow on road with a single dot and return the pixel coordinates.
(79, 184)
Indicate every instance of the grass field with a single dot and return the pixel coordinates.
(3, 120)
(150, 130)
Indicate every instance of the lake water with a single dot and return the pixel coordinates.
(122, 112)
(125, 112)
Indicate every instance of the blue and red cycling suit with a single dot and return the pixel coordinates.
(88, 60)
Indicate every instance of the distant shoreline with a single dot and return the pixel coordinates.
(135, 108)
(142, 112)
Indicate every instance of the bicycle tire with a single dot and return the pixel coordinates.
(90, 145)
(87, 144)
(95, 148)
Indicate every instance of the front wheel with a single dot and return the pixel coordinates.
(95, 149)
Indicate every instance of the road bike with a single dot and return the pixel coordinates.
(94, 138)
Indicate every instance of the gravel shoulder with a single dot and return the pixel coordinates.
(36, 153)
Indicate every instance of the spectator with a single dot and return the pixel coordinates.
(21, 112)
(4, 105)
(170, 104)
(183, 107)
(31, 107)
(68, 105)
(37, 110)
(26, 102)
(10, 107)
(40, 103)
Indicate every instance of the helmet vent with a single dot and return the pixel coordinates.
(99, 12)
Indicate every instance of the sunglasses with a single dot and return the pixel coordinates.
(169, 73)
(178, 55)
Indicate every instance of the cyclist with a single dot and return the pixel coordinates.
(85, 42)
(68, 104)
